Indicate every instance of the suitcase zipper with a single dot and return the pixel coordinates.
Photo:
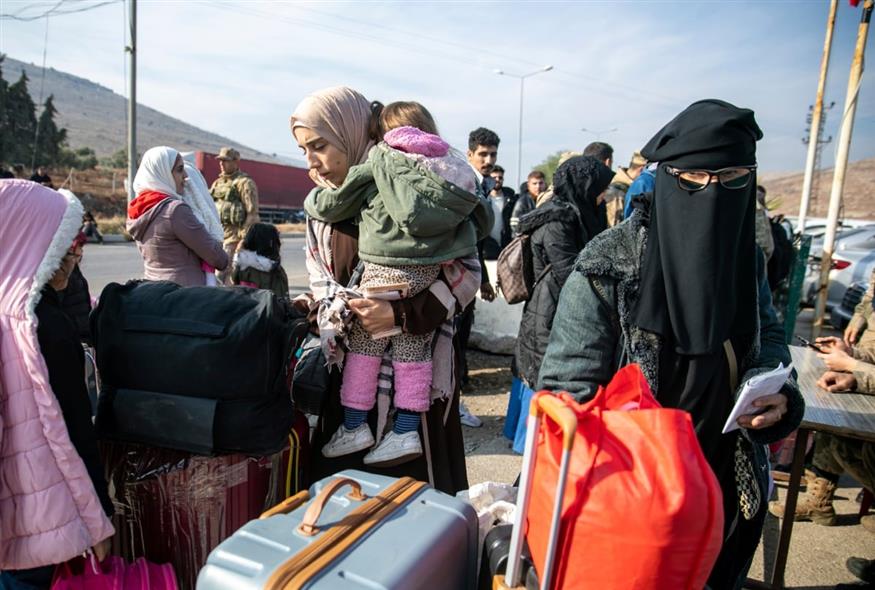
(310, 561)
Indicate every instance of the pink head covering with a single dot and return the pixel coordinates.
(341, 116)
(49, 510)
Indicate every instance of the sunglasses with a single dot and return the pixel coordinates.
(735, 177)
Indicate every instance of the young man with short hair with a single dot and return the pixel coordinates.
(502, 199)
(482, 154)
(536, 183)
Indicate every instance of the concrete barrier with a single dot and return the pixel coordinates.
(496, 323)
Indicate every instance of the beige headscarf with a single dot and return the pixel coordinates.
(340, 115)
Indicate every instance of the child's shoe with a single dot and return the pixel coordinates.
(346, 442)
(395, 449)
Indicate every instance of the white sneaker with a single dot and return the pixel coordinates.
(395, 449)
(345, 442)
(467, 418)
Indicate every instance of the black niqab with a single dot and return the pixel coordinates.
(698, 276)
(579, 181)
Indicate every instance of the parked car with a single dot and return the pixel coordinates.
(852, 262)
(840, 315)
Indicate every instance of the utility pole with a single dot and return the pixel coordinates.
(522, 79)
(816, 119)
(841, 164)
(814, 188)
(132, 103)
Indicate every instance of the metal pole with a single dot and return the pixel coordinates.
(132, 104)
(522, 79)
(841, 165)
(816, 119)
(519, 160)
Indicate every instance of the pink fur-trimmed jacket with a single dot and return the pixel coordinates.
(49, 510)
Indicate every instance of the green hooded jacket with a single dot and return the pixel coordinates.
(409, 215)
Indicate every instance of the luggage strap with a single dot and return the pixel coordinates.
(334, 541)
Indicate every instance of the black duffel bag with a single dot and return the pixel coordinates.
(197, 369)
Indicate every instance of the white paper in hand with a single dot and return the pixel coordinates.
(757, 387)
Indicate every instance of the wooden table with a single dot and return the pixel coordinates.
(845, 414)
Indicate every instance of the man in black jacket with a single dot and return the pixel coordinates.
(502, 199)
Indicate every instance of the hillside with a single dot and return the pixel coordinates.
(858, 196)
(96, 117)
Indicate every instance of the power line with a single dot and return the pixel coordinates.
(624, 92)
(419, 36)
(42, 85)
(54, 11)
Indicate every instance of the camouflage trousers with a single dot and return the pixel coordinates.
(839, 454)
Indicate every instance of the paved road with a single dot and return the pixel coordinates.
(817, 553)
(118, 262)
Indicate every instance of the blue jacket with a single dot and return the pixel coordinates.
(645, 183)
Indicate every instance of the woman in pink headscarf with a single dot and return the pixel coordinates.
(53, 498)
(336, 128)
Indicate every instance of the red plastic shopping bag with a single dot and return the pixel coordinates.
(641, 508)
(113, 574)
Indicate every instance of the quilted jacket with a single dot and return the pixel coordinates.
(49, 509)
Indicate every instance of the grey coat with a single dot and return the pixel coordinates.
(593, 335)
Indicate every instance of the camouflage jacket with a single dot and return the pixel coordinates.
(236, 199)
(864, 308)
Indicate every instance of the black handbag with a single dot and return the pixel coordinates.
(311, 379)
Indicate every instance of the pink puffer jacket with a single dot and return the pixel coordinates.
(49, 511)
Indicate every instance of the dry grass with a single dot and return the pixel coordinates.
(784, 192)
(112, 225)
(291, 227)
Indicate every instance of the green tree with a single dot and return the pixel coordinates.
(50, 139)
(5, 142)
(118, 160)
(549, 165)
(21, 121)
(82, 159)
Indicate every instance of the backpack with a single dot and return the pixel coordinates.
(515, 270)
(781, 263)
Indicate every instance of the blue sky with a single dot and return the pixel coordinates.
(239, 68)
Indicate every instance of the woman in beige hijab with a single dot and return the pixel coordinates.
(336, 128)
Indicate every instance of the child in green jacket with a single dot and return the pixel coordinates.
(418, 206)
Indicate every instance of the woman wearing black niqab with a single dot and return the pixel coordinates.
(558, 231)
(692, 307)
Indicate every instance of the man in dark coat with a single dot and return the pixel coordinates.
(503, 200)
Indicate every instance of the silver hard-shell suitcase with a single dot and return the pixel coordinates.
(352, 530)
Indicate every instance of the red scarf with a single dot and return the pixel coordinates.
(144, 201)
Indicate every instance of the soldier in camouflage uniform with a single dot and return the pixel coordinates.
(615, 194)
(236, 199)
(863, 320)
(763, 225)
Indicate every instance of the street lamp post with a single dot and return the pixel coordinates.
(522, 79)
(598, 134)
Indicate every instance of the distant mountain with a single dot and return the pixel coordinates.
(858, 196)
(96, 117)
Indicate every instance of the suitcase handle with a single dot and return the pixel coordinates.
(543, 404)
(308, 524)
(287, 505)
(555, 409)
